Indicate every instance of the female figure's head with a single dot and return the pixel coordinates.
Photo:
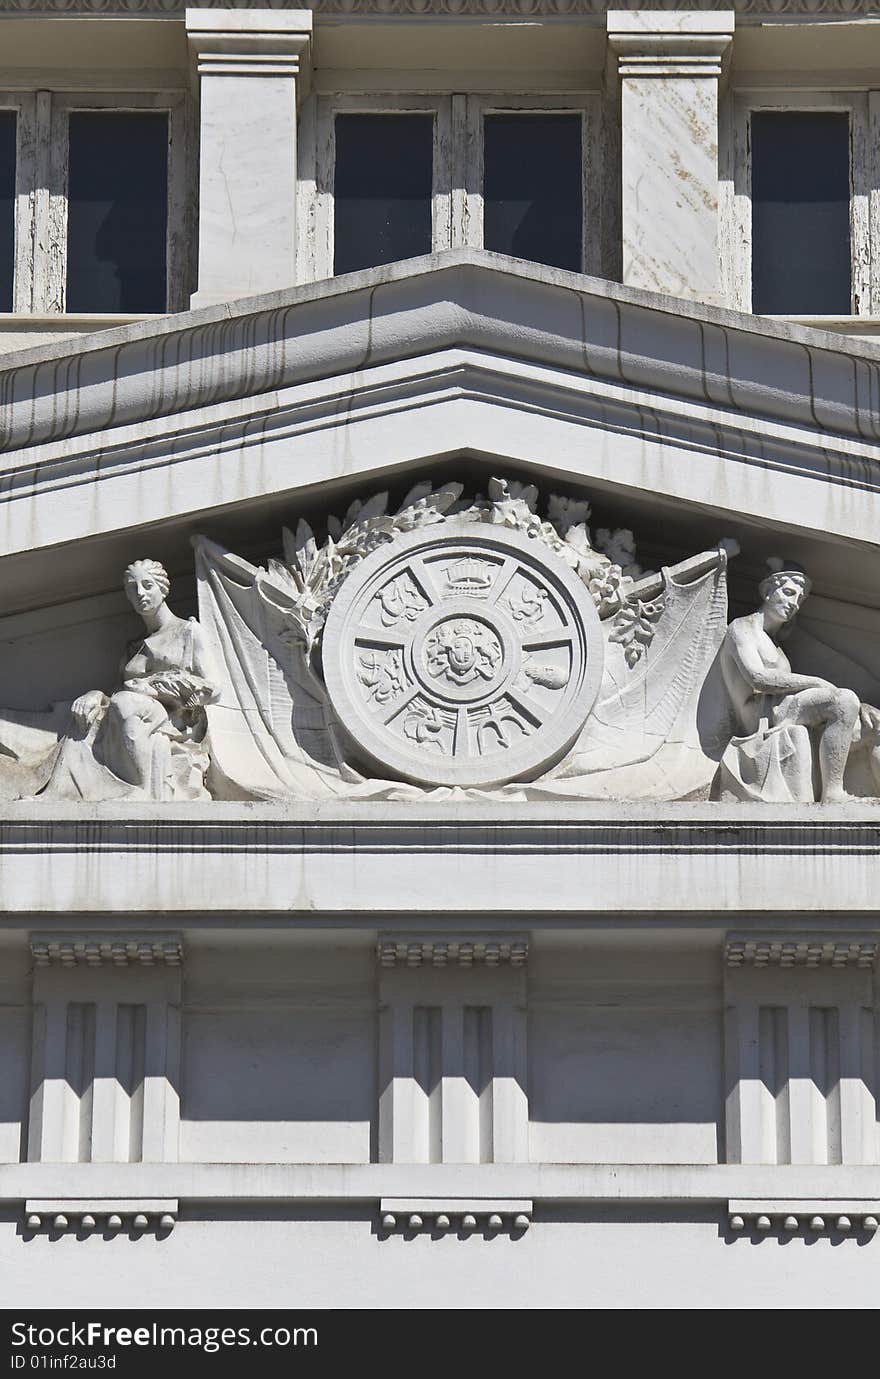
(146, 585)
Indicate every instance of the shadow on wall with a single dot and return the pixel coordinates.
(618, 1084)
(278, 1085)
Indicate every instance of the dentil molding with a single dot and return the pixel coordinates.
(485, 950)
(810, 1217)
(800, 952)
(159, 950)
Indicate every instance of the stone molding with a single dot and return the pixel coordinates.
(800, 952)
(186, 391)
(619, 1183)
(257, 44)
(223, 860)
(80, 1216)
(462, 1216)
(159, 950)
(654, 43)
(461, 951)
(457, 297)
(811, 1217)
(491, 9)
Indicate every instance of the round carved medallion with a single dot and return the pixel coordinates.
(463, 654)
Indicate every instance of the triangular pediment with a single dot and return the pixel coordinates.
(460, 523)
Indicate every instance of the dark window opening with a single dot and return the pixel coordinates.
(382, 192)
(117, 215)
(533, 188)
(801, 257)
(8, 129)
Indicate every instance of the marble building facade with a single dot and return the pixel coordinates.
(440, 691)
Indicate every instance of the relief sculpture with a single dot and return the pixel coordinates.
(797, 734)
(144, 740)
(477, 645)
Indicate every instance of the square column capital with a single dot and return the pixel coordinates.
(676, 43)
(250, 43)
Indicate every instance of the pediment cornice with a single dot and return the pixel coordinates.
(467, 298)
(209, 411)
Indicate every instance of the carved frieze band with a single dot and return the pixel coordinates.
(163, 950)
(491, 8)
(800, 952)
(485, 950)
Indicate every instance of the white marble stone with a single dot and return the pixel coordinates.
(797, 737)
(105, 1065)
(669, 65)
(252, 67)
(585, 1053)
(801, 1071)
(144, 740)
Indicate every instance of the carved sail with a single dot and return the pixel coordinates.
(272, 733)
(650, 734)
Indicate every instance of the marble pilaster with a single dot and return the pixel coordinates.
(669, 65)
(252, 67)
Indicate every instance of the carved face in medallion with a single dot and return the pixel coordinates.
(462, 650)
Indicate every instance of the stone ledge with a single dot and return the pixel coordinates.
(695, 1184)
(727, 819)
(748, 867)
(493, 10)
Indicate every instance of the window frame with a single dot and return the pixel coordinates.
(23, 104)
(736, 243)
(457, 210)
(42, 150)
(593, 203)
(317, 174)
